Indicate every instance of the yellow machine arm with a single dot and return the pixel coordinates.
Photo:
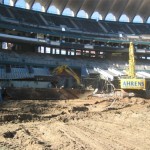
(131, 72)
(131, 82)
(64, 68)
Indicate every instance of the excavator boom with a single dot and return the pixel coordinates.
(131, 72)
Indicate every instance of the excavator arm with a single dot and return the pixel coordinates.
(64, 68)
(131, 72)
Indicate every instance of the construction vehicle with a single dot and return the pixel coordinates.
(66, 70)
(125, 85)
(130, 84)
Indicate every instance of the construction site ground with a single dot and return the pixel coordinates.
(92, 124)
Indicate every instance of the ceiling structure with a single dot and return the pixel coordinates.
(130, 8)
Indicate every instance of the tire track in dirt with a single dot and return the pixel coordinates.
(124, 136)
(36, 137)
(88, 138)
(62, 137)
(124, 122)
(107, 140)
(77, 142)
(92, 139)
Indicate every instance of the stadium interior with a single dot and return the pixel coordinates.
(33, 43)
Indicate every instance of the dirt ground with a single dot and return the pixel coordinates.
(95, 124)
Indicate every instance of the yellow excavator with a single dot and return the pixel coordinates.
(66, 69)
(78, 90)
(130, 82)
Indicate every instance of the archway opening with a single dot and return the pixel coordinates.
(7, 2)
(68, 12)
(148, 20)
(21, 4)
(138, 19)
(37, 7)
(97, 16)
(110, 17)
(82, 14)
(124, 18)
(53, 10)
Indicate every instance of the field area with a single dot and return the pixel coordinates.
(95, 124)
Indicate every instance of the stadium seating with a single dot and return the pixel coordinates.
(41, 71)
(90, 26)
(140, 28)
(4, 12)
(116, 27)
(58, 20)
(26, 16)
(2, 72)
(41, 67)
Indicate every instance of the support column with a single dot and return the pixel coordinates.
(27, 6)
(11, 3)
(55, 51)
(96, 54)
(89, 53)
(82, 53)
(75, 52)
(44, 50)
(43, 9)
(67, 52)
(0, 45)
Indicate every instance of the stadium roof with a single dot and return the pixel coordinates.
(130, 8)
